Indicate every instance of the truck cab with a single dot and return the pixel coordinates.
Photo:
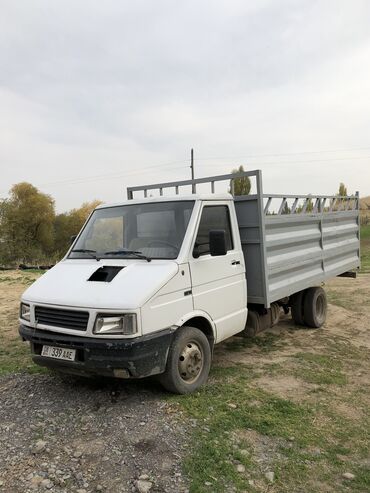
(137, 273)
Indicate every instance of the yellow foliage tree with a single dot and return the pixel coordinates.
(26, 224)
(69, 224)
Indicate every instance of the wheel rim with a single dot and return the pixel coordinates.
(191, 362)
(320, 307)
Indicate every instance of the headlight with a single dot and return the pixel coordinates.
(116, 324)
(25, 312)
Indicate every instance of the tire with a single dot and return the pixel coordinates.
(275, 314)
(253, 325)
(188, 362)
(315, 307)
(297, 305)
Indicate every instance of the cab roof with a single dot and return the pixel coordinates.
(170, 198)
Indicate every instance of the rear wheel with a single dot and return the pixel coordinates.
(297, 307)
(253, 325)
(315, 307)
(188, 363)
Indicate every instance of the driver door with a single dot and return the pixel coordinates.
(219, 283)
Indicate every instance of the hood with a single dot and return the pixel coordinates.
(130, 287)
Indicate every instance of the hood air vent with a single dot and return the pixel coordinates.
(105, 274)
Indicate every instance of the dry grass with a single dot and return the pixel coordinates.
(14, 354)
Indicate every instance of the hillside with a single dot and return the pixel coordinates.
(365, 203)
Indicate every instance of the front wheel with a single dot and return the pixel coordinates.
(188, 362)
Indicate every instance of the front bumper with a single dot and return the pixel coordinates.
(138, 357)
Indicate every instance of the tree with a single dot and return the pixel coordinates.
(242, 186)
(26, 224)
(342, 192)
(309, 206)
(339, 202)
(69, 224)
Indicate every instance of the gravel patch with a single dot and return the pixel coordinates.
(66, 435)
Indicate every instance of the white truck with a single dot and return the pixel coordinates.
(150, 285)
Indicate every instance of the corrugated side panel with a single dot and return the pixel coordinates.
(303, 250)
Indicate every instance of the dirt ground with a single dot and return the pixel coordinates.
(347, 325)
(70, 436)
(75, 435)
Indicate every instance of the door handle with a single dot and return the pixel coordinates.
(235, 262)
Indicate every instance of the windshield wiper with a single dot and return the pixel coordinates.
(92, 253)
(129, 252)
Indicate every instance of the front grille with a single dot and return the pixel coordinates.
(67, 319)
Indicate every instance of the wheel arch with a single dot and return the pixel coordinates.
(202, 321)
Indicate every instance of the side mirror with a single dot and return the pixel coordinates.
(72, 239)
(217, 242)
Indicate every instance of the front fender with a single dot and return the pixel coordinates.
(198, 313)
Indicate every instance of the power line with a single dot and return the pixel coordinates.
(111, 175)
(298, 162)
(103, 177)
(107, 176)
(256, 156)
(73, 181)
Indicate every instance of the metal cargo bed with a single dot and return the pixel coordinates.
(304, 241)
(290, 242)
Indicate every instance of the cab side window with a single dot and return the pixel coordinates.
(213, 217)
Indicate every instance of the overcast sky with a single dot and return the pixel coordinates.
(98, 95)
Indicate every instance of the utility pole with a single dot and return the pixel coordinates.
(192, 169)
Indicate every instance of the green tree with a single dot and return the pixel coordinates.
(309, 206)
(26, 225)
(342, 192)
(286, 209)
(240, 186)
(69, 224)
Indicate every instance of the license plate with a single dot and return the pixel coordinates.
(58, 353)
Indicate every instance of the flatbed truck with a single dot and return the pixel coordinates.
(150, 285)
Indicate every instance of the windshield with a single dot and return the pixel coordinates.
(155, 230)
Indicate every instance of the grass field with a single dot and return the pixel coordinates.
(285, 412)
(365, 248)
